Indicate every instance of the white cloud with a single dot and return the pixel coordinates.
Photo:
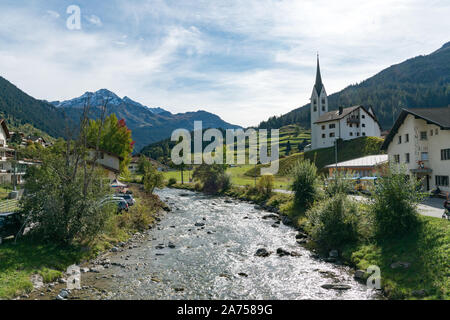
(244, 60)
(93, 19)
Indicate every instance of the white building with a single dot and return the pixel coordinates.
(345, 123)
(109, 161)
(420, 140)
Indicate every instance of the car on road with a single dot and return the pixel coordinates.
(127, 197)
(10, 225)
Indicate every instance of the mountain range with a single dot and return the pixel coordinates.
(420, 82)
(148, 125)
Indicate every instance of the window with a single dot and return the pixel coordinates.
(332, 126)
(331, 134)
(363, 125)
(399, 139)
(357, 134)
(323, 101)
(407, 137)
(351, 133)
(364, 134)
(315, 108)
(397, 158)
(442, 181)
(445, 154)
(363, 116)
(407, 157)
(423, 135)
(424, 156)
(431, 132)
(323, 135)
(436, 131)
(323, 108)
(315, 101)
(323, 127)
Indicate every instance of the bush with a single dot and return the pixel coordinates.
(395, 200)
(334, 222)
(305, 185)
(171, 182)
(265, 186)
(340, 184)
(213, 178)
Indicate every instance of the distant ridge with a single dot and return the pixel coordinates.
(420, 82)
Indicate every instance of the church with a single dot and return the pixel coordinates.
(344, 123)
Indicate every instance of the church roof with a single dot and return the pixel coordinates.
(335, 115)
(318, 85)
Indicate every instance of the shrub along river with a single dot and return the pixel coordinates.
(205, 249)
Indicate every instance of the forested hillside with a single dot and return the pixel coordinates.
(423, 81)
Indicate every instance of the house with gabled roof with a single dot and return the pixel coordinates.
(420, 141)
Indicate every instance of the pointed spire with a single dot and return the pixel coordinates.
(319, 83)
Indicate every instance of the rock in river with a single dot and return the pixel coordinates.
(262, 253)
(336, 286)
(281, 252)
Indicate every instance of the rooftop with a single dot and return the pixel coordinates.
(367, 161)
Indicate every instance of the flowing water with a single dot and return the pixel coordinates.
(217, 260)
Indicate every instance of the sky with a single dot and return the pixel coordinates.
(242, 60)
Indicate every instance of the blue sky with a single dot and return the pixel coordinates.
(243, 60)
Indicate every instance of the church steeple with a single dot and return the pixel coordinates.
(319, 85)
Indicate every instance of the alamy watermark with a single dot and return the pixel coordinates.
(235, 147)
(73, 22)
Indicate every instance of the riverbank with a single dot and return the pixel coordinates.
(209, 247)
(32, 263)
(412, 267)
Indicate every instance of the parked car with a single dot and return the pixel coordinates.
(128, 198)
(10, 225)
(119, 201)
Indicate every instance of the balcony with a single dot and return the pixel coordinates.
(353, 120)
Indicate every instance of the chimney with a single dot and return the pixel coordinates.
(341, 109)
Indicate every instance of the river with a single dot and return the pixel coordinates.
(205, 249)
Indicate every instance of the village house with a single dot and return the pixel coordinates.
(368, 166)
(109, 161)
(11, 171)
(344, 123)
(420, 140)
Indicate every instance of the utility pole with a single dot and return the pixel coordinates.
(335, 157)
(255, 174)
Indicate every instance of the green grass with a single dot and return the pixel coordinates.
(238, 177)
(30, 256)
(19, 261)
(428, 251)
(285, 165)
(347, 150)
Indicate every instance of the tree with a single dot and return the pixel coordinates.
(63, 196)
(151, 177)
(115, 138)
(213, 177)
(288, 148)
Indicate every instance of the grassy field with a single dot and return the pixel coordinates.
(238, 177)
